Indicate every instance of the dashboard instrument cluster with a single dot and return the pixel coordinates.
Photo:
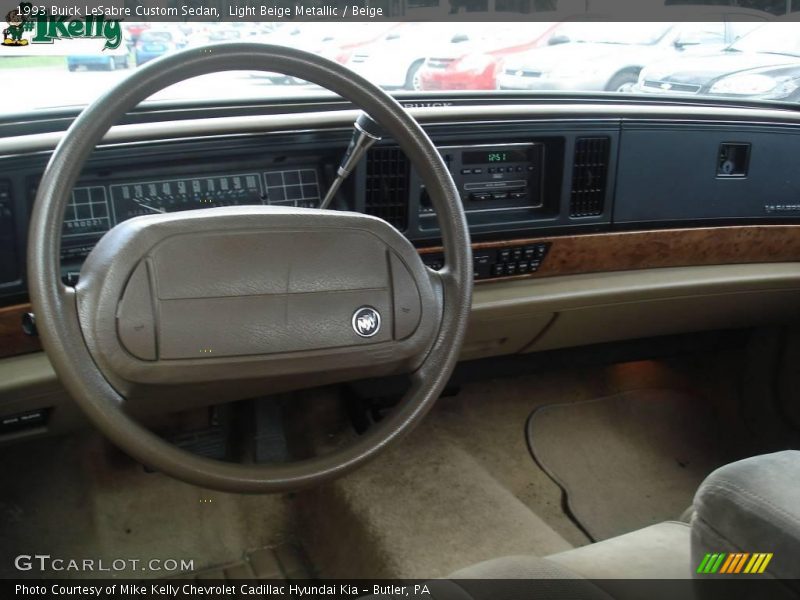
(97, 207)
(94, 209)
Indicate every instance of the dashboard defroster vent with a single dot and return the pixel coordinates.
(589, 177)
(387, 186)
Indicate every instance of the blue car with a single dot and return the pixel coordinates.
(108, 62)
(153, 43)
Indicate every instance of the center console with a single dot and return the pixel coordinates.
(493, 178)
(499, 185)
(513, 183)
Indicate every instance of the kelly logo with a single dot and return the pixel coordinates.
(17, 25)
(734, 563)
(47, 28)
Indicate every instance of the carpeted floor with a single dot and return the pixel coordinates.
(488, 419)
(80, 498)
(629, 460)
(423, 509)
(449, 494)
(461, 489)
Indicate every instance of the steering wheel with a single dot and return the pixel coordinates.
(234, 295)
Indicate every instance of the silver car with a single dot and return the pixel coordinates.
(585, 57)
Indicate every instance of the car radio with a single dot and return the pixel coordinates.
(494, 176)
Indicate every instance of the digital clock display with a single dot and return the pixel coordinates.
(496, 156)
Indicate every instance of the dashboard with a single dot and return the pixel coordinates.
(517, 179)
(591, 222)
(548, 190)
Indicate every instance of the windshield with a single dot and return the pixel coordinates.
(565, 54)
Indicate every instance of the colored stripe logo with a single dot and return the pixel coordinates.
(734, 563)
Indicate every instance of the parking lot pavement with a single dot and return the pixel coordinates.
(51, 87)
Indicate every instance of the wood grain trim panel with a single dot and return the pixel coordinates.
(631, 250)
(579, 254)
(13, 340)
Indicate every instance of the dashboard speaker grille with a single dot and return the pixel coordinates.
(589, 177)
(387, 186)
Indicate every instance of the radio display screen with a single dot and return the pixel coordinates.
(494, 156)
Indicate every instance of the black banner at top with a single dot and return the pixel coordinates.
(410, 10)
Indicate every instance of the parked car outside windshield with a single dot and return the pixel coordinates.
(153, 43)
(474, 66)
(763, 65)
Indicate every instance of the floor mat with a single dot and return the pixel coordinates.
(629, 460)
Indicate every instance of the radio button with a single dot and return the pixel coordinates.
(477, 171)
(467, 171)
(538, 251)
(504, 255)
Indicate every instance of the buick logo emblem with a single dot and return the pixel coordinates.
(366, 321)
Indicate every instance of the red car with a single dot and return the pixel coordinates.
(135, 30)
(366, 34)
(473, 65)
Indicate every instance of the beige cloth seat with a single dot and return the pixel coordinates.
(752, 505)
(661, 551)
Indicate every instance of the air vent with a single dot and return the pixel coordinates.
(589, 176)
(387, 186)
